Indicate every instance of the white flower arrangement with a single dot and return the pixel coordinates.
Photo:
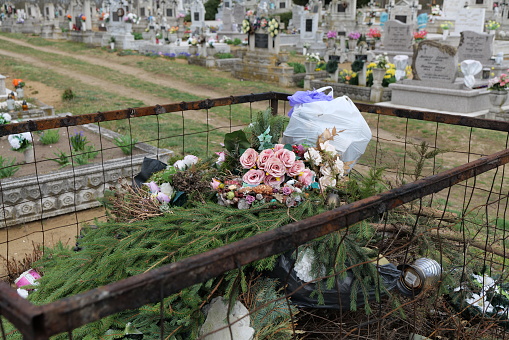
(314, 57)
(273, 28)
(246, 26)
(5, 118)
(21, 141)
(186, 163)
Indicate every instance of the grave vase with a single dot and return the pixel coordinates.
(310, 66)
(445, 34)
(352, 44)
(330, 43)
(378, 75)
(497, 100)
(492, 32)
(29, 155)
(20, 93)
(193, 50)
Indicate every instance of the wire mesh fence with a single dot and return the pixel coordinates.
(418, 251)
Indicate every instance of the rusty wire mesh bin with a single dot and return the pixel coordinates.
(454, 209)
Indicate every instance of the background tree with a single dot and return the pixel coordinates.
(211, 9)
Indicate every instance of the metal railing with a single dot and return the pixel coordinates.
(41, 322)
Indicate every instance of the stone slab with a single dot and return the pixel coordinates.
(442, 99)
(433, 61)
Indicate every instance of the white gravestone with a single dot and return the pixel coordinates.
(470, 19)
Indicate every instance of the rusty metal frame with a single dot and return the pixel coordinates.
(41, 322)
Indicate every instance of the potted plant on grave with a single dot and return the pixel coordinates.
(331, 35)
(22, 142)
(498, 92)
(492, 26)
(18, 85)
(445, 26)
(420, 36)
(112, 43)
(312, 60)
(353, 38)
(375, 34)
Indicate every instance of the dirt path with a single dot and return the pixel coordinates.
(146, 97)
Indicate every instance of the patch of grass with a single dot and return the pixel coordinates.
(8, 167)
(125, 143)
(50, 137)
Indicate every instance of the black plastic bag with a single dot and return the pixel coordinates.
(148, 168)
(336, 298)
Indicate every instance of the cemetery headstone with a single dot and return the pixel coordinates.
(397, 36)
(435, 62)
(470, 19)
(475, 46)
(239, 11)
(227, 19)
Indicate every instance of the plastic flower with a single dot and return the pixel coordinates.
(374, 33)
(446, 25)
(314, 57)
(498, 83)
(273, 28)
(354, 35)
(5, 118)
(421, 35)
(332, 35)
(492, 25)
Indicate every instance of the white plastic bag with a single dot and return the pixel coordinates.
(309, 120)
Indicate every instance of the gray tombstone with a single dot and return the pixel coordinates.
(434, 62)
(397, 36)
(227, 19)
(475, 46)
(239, 13)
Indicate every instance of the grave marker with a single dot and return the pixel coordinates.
(435, 62)
(261, 40)
(397, 36)
(470, 19)
(475, 46)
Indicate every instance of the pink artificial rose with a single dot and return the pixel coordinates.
(215, 184)
(152, 186)
(296, 168)
(263, 157)
(253, 177)
(278, 147)
(221, 157)
(286, 156)
(307, 176)
(272, 181)
(163, 198)
(248, 158)
(275, 167)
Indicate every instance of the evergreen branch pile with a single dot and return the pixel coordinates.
(114, 251)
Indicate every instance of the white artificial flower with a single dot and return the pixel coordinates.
(486, 281)
(325, 146)
(327, 181)
(314, 156)
(167, 189)
(14, 141)
(304, 264)
(180, 164)
(326, 170)
(480, 302)
(27, 136)
(189, 160)
(339, 167)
